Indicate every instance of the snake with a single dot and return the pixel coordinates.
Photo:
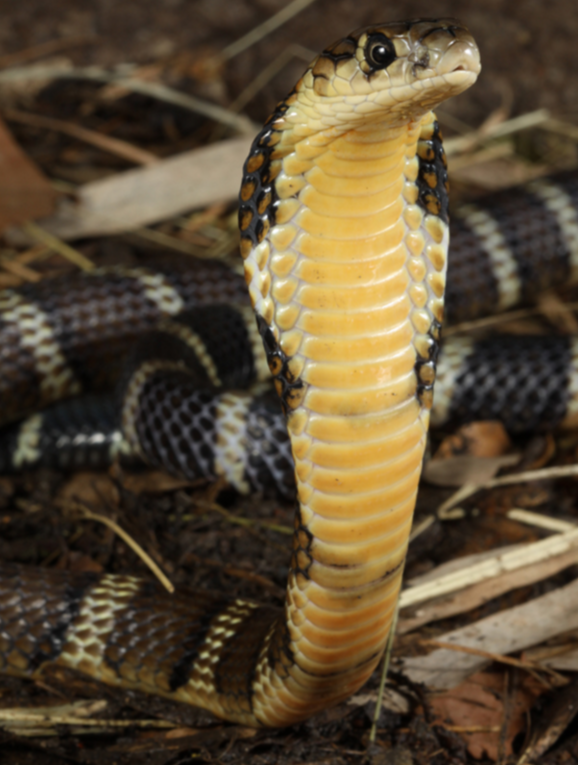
(506, 249)
(344, 228)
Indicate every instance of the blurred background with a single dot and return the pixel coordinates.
(528, 53)
(528, 46)
(166, 77)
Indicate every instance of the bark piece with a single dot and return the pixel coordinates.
(144, 196)
(512, 630)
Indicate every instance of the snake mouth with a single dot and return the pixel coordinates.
(459, 78)
(461, 56)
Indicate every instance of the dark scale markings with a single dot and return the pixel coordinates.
(19, 381)
(203, 282)
(258, 198)
(568, 182)
(241, 650)
(533, 235)
(224, 334)
(301, 558)
(192, 642)
(432, 178)
(472, 284)
(536, 242)
(96, 319)
(290, 389)
(522, 381)
(425, 366)
(269, 459)
(280, 656)
(94, 322)
(34, 625)
(432, 184)
(169, 641)
(176, 424)
(167, 349)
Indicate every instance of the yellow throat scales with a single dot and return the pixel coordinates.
(344, 234)
(344, 237)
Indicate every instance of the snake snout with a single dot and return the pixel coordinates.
(462, 56)
(451, 49)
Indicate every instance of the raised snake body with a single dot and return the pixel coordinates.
(344, 236)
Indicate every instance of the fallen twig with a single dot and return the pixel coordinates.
(171, 242)
(500, 318)
(563, 471)
(125, 536)
(237, 572)
(264, 29)
(471, 140)
(152, 89)
(527, 555)
(247, 522)
(56, 244)
(505, 632)
(267, 73)
(104, 142)
(43, 721)
(45, 49)
(19, 269)
(475, 595)
(383, 679)
(529, 666)
(540, 520)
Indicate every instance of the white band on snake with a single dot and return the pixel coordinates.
(344, 235)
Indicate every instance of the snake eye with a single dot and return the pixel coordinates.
(379, 51)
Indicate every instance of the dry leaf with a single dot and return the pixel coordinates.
(487, 438)
(143, 196)
(556, 716)
(92, 489)
(458, 471)
(24, 192)
(79, 564)
(557, 312)
(392, 700)
(153, 482)
(476, 595)
(503, 633)
(475, 710)
(560, 654)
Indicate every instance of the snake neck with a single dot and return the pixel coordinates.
(345, 243)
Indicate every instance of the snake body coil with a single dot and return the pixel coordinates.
(344, 232)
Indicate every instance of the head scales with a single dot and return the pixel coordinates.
(433, 59)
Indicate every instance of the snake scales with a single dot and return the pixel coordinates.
(344, 235)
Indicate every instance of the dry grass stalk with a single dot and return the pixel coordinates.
(264, 29)
(114, 146)
(125, 536)
(56, 244)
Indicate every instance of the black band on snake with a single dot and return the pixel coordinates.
(344, 235)
(93, 320)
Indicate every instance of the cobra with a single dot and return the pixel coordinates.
(344, 237)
